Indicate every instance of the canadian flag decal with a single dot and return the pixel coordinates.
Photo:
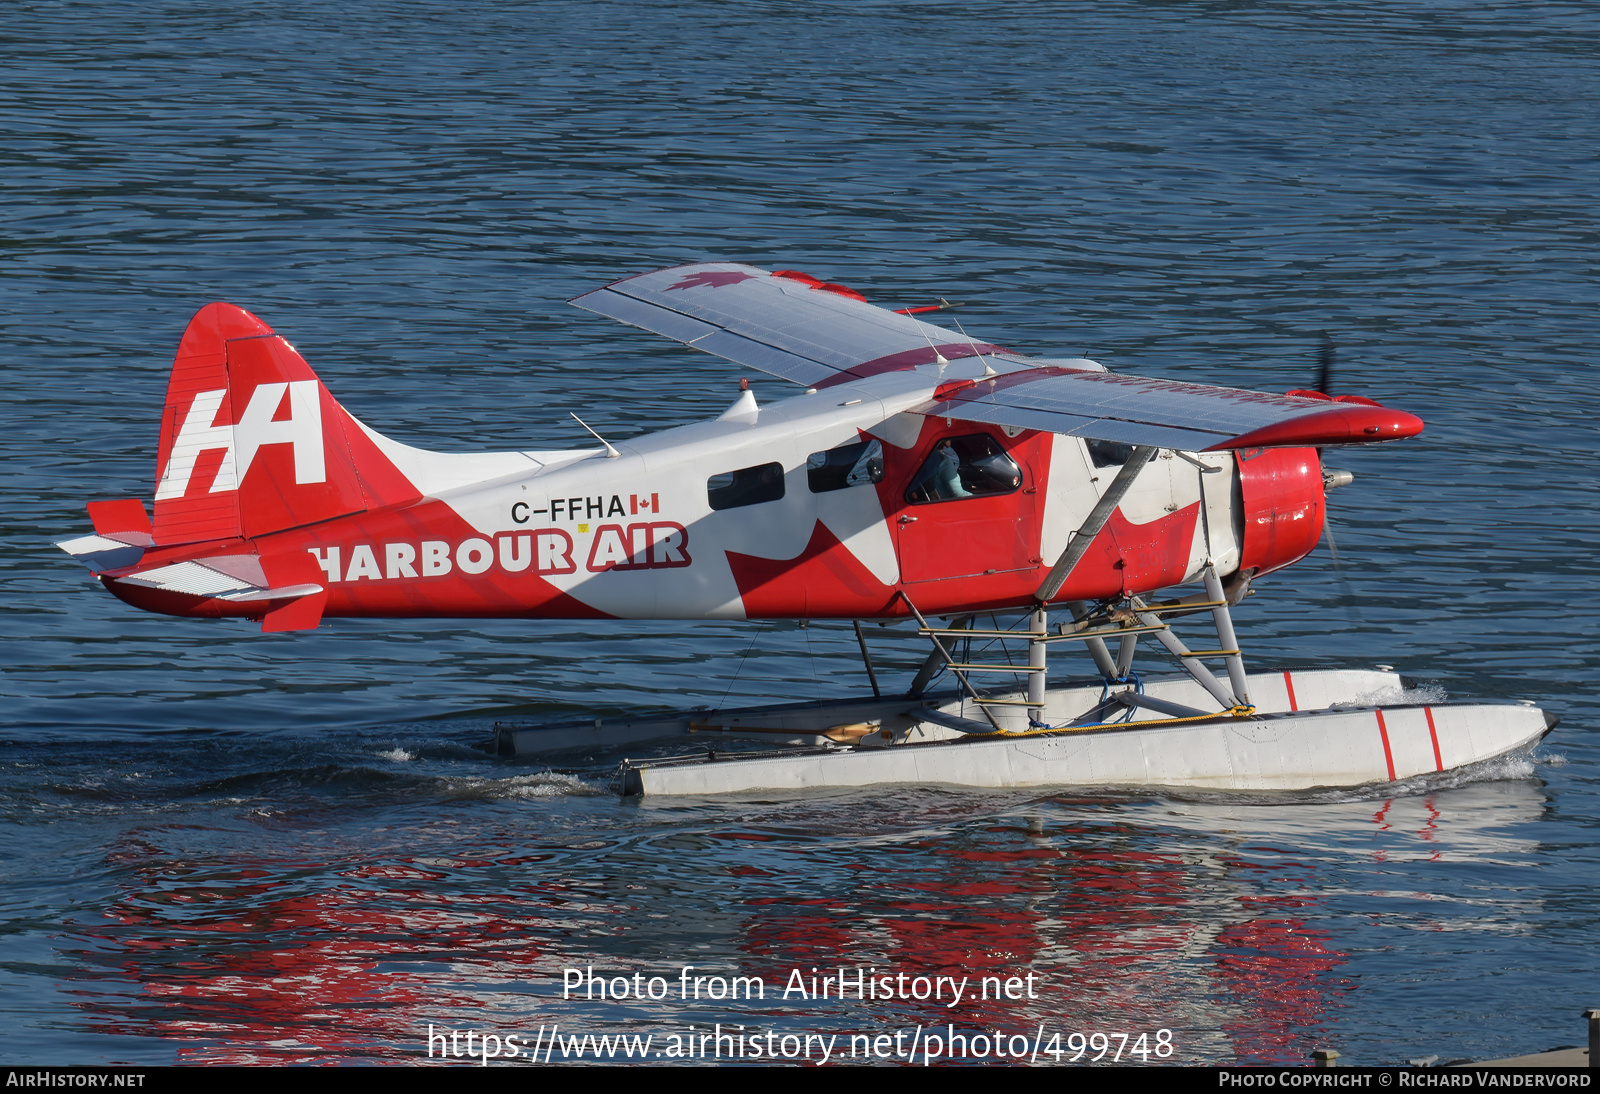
(638, 503)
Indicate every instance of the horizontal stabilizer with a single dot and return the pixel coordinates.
(122, 534)
(191, 579)
(101, 553)
(234, 578)
(285, 599)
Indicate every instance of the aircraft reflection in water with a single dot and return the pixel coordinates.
(1117, 912)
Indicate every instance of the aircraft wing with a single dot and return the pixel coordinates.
(786, 324)
(1142, 410)
(793, 326)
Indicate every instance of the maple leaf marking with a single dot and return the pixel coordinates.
(714, 278)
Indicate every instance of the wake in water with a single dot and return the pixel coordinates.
(1426, 694)
(543, 784)
(1501, 768)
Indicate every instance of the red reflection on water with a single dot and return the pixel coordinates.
(1275, 971)
(1116, 937)
(244, 965)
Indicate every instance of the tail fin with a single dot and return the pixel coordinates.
(252, 443)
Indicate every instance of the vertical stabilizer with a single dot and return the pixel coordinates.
(252, 443)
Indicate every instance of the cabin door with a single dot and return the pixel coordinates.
(969, 509)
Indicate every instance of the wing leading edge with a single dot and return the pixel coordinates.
(797, 328)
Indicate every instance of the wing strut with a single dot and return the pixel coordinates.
(1078, 545)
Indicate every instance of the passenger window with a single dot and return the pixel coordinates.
(858, 464)
(1109, 453)
(746, 486)
(964, 467)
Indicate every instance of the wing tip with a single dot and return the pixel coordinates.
(1348, 424)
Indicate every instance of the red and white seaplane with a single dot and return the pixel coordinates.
(920, 476)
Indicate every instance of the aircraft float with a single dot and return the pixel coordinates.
(999, 504)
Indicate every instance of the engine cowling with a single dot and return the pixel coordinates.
(1282, 505)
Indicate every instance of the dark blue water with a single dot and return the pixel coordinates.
(228, 847)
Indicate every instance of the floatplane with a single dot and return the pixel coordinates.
(996, 504)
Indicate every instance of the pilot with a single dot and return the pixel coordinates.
(945, 473)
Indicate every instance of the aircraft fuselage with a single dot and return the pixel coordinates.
(757, 515)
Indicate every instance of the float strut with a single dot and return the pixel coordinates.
(1037, 648)
(1191, 663)
(1097, 646)
(1226, 637)
(866, 659)
(1125, 652)
(937, 659)
(1076, 548)
(942, 654)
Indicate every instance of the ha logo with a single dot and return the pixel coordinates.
(201, 432)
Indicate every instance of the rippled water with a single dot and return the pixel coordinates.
(222, 846)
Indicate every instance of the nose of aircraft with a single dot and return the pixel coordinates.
(1282, 490)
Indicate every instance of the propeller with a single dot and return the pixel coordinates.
(1332, 478)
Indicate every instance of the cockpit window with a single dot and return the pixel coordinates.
(746, 486)
(964, 467)
(857, 464)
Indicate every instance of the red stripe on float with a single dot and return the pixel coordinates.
(1388, 754)
(1288, 683)
(1438, 760)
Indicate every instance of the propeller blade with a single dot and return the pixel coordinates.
(1325, 373)
(1338, 569)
